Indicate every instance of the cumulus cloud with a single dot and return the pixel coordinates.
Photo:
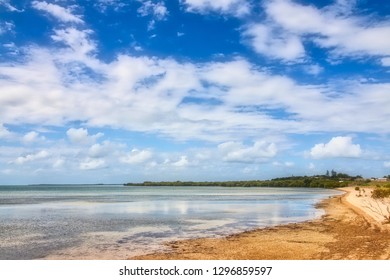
(386, 61)
(234, 99)
(77, 135)
(137, 156)
(81, 136)
(4, 132)
(238, 152)
(234, 7)
(332, 27)
(147, 94)
(91, 164)
(340, 146)
(182, 162)
(274, 43)
(77, 40)
(30, 136)
(225, 101)
(33, 137)
(100, 150)
(386, 164)
(32, 157)
(60, 13)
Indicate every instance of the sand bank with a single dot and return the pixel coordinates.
(350, 230)
(373, 210)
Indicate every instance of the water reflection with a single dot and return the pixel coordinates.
(82, 221)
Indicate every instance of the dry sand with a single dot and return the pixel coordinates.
(350, 230)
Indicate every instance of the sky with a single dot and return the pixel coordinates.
(111, 91)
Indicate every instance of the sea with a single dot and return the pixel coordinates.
(119, 222)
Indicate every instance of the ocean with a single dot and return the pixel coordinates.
(117, 222)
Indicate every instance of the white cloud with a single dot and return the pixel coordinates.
(313, 69)
(77, 40)
(385, 61)
(77, 135)
(225, 102)
(38, 80)
(182, 162)
(92, 164)
(340, 146)
(331, 27)
(137, 156)
(284, 164)
(235, 7)
(61, 13)
(238, 152)
(116, 5)
(32, 157)
(157, 10)
(274, 43)
(81, 136)
(6, 27)
(386, 164)
(137, 48)
(7, 5)
(100, 150)
(4, 132)
(236, 99)
(32, 136)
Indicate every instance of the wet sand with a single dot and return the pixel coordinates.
(348, 231)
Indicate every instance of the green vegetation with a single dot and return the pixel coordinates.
(330, 181)
(381, 191)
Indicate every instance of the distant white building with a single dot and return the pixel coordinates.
(380, 179)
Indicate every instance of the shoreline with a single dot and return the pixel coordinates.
(348, 231)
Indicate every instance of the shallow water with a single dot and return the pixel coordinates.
(115, 222)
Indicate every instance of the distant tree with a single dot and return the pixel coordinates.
(343, 175)
(327, 173)
(333, 173)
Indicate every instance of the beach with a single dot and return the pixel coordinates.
(112, 222)
(350, 230)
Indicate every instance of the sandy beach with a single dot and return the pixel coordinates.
(351, 229)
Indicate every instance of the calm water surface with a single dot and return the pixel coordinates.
(115, 222)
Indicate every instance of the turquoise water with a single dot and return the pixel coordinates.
(115, 222)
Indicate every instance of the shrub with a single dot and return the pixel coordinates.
(381, 193)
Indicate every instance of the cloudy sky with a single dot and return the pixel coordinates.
(111, 91)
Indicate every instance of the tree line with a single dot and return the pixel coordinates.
(330, 180)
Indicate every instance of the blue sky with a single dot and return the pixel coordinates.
(112, 91)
